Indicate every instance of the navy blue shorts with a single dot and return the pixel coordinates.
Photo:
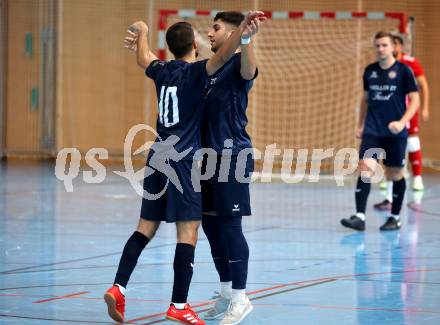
(225, 195)
(173, 205)
(394, 147)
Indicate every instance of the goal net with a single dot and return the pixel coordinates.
(310, 66)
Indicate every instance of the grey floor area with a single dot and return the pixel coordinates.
(59, 252)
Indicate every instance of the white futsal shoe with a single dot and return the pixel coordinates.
(219, 308)
(236, 312)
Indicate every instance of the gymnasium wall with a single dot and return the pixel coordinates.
(22, 75)
(100, 91)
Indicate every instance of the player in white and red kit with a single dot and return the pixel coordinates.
(414, 150)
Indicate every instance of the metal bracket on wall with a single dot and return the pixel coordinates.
(35, 95)
(28, 44)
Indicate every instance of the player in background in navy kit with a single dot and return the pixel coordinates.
(180, 86)
(382, 124)
(224, 198)
(413, 147)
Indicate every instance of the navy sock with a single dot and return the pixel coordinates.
(238, 250)
(361, 195)
(219, 251)
(132, 250)
(183, 271)
(399, 188)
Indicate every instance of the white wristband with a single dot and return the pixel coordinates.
(245, 40)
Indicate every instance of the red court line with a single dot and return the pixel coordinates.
(61, 297)
(75, 297)
(205, 303)
(295, 283)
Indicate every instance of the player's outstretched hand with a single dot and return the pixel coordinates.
(138, 26)
(251, 29)
(252, 23)
(130, 41)
(396, 127)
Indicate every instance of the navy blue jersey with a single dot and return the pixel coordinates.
(225, 111)
(180, 88)
(387, 90)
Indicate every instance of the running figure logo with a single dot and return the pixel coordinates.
(163, 153)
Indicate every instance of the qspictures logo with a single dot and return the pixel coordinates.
(163, 156)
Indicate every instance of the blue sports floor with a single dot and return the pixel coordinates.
(59, 252)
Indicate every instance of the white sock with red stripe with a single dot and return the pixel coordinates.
(415, 155)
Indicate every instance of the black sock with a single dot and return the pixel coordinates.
(219, 250)
(399, 188)
(238, 250)
(183, 271)
(132, 250)
(361, 195)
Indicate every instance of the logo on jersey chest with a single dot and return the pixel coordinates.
(373, 75)
(213, 81)
(392, 74)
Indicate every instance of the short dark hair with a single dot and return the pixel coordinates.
(180, 38)
(232, 17)
(383, 34)
(397, 39)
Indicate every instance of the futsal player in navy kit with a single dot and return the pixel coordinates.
(226, 199)
(382, 124)
(180, 86)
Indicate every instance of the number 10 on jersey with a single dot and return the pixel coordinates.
(164, 106)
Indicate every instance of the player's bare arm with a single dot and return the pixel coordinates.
(230, 46)
(362, 115)
(137, 40)
(248, 59)
(397, 126)
(424, 96)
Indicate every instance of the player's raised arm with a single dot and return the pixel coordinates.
(137, 40)
(248, 63)
(228, 49)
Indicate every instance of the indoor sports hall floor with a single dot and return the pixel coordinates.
(59, 252)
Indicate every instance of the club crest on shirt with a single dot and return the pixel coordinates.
(392, 74)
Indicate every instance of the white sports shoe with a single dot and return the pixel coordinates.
(418, 184)
(236, 312)
(219, 308)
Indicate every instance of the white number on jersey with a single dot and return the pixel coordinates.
(164, 106)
